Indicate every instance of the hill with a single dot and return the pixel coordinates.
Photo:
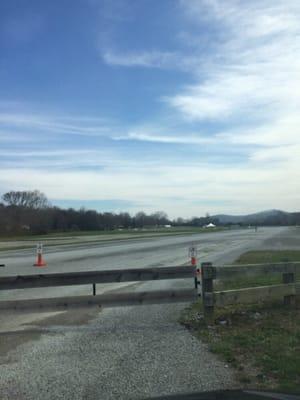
(262, 217)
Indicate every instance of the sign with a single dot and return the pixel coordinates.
(39, 248)
(193, 251)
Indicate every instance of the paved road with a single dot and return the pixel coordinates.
(135, 252)
(121, 353)
(221, 247)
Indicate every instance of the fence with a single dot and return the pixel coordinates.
(289, 290)
(104, 276)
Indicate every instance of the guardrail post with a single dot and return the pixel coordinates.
(94, 289)
(289, 277)
(208, 273)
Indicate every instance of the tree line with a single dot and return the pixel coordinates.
(30, 212)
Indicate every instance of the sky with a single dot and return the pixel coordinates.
(185, 106)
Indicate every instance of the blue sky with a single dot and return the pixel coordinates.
(186, 106)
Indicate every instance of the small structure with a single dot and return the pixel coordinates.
(167, 226)
(210, 225)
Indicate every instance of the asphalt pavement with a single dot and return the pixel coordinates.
(221, 247)
(121, 353)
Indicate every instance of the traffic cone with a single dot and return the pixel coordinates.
(39, 260)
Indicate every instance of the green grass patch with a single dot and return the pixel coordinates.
(262, 342)
(260, 257)
(131, 232)
(268, 256)
(94, 237)
(255, 281)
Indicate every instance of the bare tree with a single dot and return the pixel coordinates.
(28, 199)
(160, 218)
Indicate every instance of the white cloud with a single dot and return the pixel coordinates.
(284, 130)
(142, 59)
(163, 138)
(290, 153)
(257, 64)
(55, 124)
(151, 59)
(181, 190)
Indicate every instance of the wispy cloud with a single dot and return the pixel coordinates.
(142, 59)
(59, 124)
(256, 67)
(154, 186)
(151, 59)
(160, 138)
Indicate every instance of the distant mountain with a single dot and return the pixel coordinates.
(257, 218)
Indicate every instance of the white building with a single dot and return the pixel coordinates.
(210, 225)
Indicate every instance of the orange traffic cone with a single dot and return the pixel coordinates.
(193, 255)
(39, 261)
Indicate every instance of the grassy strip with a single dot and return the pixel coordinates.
(268, 256)
(260, 257)
(47, 239)
(262, 342)
(131, 232)
(33, 242)
(255, 281)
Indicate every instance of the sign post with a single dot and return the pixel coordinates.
(193, 255)
(39, 254)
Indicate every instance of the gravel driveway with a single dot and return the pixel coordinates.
(123, 353)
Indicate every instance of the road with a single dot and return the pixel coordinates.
(220, 247)
(121, 353)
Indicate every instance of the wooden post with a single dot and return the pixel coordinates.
(289, 277)
(208, 275)
(94, 289)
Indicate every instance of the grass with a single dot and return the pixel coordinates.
(94, 237)
(116, 232)
(260, 257)
(255, 281)
(261, 341)
(268, 256)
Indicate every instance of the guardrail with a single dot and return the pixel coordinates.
(289, 290)
(104, 276)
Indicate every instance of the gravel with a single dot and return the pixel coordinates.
(124, 353)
